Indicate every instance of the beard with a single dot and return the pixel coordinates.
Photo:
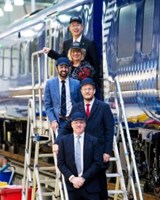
(63, 75)
(88, 98)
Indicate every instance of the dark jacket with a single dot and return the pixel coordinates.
(99, 124)
(91, 160)
(88, 45)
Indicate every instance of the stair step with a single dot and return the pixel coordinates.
(113, 175)
(47, 168)
(47, 194)
(45, 155)
(46, 181)
(116, 192)
(113, 159)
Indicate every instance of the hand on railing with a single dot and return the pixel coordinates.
(58, 174)
(46, 50)
(55, 126)
(54, 135)
(55, 148)
(106, 157)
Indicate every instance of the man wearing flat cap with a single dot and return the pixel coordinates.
(99, 123)
(76, 29)
(79, 160)
(61, 93)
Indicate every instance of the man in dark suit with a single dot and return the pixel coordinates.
(99, 123)
(53, 94)
(79, 160)
(76, 29)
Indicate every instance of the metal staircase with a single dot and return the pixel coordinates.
(120, 187)
(45, 180)
(39, 133)
(128, 187)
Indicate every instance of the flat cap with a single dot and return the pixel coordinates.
(75, 19)
(87, 81)
(78, 116)
(76, 45)
(63, 61)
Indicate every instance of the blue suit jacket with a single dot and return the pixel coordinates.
(91, 160)
(52, 96)
(99, 124)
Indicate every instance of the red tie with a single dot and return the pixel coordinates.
(87, 109)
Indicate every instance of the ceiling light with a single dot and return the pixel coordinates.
(18, 2)
(1, 12)
(28, 33)
(8, 6)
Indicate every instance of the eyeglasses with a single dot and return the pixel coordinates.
(75, 25)
(78, 122)
(87, 89)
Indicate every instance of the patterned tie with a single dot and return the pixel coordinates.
(63, 99)
(88, 109)
(78, 155)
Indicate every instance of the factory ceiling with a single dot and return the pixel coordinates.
(20, 11)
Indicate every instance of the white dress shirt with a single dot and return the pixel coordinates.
(91, 104)
(78, 39)
(82, 145)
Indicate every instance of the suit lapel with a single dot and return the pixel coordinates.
(72, 91)
(81, 107)
(71, 147)
(71, 86)
(56, 89)
(83, 41)
(70, 41)
(94, 107)
(85, 150)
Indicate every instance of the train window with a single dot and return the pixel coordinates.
(68, 34)
(127, 22)
(15, 61)
(33, 48)
(1, 62)
(7, 62)
(23, 57)
(51, 38)
(47, 44)
(147, 26)
(61, 39)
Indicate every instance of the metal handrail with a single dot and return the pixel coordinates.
(59, 175)
(122, 115)
(38, 124)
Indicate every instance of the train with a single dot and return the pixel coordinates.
(48, 27)
(126, 33)
(130, 39)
